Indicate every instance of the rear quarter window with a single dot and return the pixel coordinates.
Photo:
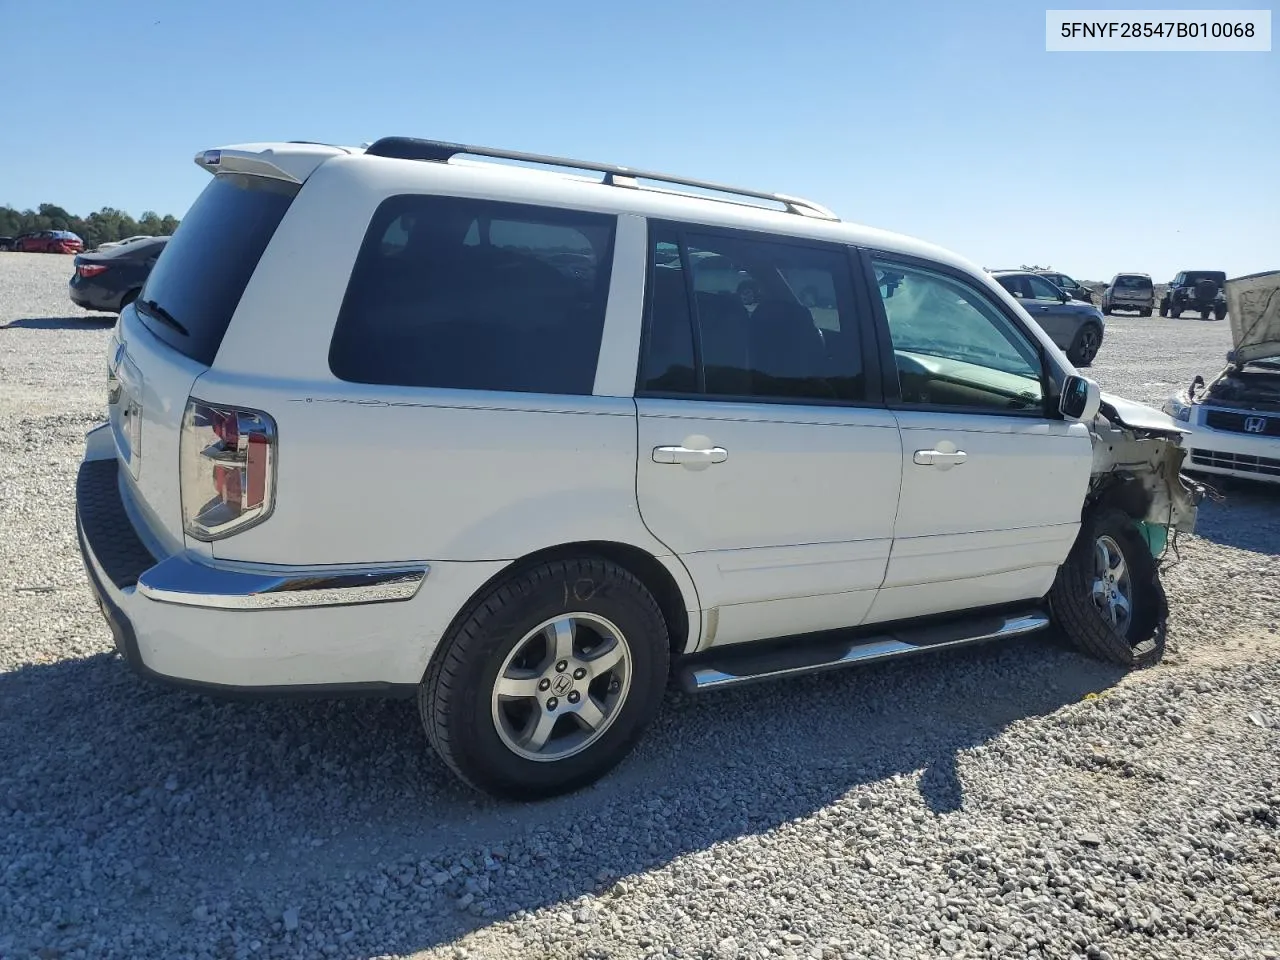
(472, 294)
(208, 261)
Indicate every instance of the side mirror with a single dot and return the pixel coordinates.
(1081, 398)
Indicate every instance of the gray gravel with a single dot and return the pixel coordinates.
(1010, 801)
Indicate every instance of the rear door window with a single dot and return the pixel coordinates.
(468, 294)
(755, 318)
(193, 291)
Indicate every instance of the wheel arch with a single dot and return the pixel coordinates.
(1121, 491)
(673, 589)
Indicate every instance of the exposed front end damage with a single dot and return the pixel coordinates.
(1137, 467)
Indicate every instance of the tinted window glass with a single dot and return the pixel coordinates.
(668, 365)
(1016, 285)
(209, 260)
(144, 249)
(772, 319)
(1133, 283)
(953, 345)
(1042, 289)
(476, 295)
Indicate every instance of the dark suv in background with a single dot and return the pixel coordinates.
(1199, 290)
(1074, 326)
(1130, 291)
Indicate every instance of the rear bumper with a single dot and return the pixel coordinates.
(1228, 453)
(92, 297)
(248, 628)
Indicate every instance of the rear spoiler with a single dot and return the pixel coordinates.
(293, 162)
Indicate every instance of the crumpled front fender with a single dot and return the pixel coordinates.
(1137, 463)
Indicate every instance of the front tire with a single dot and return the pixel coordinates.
(1107, 597)
(1086, 345)
(1145, 312)
(548, 679)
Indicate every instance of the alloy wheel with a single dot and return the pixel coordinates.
(561, 686)
(1112, 589)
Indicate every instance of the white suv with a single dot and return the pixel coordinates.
(395, 420)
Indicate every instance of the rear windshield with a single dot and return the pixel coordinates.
(1133, 283)
(196, 285)
(1195, 276)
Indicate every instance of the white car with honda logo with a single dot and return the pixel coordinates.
(1234, 420)
(368, 434)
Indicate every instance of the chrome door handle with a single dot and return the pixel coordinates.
(942, 459)
(694, 458)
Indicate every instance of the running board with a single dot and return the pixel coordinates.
(747, 663)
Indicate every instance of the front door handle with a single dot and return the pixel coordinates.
(942, 459)
(694, 458)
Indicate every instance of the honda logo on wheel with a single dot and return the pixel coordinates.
(1255, 424)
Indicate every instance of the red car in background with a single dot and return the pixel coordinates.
(49, 241)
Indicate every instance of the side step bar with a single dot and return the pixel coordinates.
(747, 663)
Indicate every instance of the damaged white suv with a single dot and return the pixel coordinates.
(403, 420)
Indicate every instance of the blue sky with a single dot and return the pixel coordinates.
(948, 121)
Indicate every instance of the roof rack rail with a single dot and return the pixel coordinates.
(413, 148)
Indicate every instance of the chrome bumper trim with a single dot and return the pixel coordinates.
(189, 582)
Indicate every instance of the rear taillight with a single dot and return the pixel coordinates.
(227, 466)
(87, 270)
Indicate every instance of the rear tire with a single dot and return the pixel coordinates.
(1109, 566)
(1145, 312)
(489, 700)
(1106, 311)
(1219, 313)
(1204, 314)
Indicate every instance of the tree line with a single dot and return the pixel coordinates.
(104, 226)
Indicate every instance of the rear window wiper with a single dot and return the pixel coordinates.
(163, 315)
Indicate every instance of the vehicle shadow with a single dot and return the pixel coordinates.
(1240, 513)
(269, 804)
(89, 321)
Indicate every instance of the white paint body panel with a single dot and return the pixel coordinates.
(992, 529)
(794, 527)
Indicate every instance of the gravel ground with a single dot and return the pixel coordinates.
(1015, 800)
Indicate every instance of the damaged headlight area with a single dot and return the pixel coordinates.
(1178, 406)
(1137, 467)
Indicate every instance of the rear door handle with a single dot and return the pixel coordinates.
(696, 459)
(942, 459)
